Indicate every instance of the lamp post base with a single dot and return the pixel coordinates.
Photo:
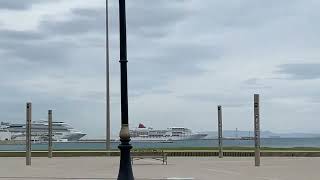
(125, 171)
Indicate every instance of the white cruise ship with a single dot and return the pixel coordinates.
(39, 131)
(142, 133)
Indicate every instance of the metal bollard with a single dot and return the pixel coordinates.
(50, 134)
(257, 129)
(28, 134)
(220, 131)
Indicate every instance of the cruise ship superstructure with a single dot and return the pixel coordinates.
(142, 133)
(39, 131)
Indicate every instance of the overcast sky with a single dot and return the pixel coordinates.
(185, 57)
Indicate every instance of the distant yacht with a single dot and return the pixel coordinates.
(142, 133)
(39, 131)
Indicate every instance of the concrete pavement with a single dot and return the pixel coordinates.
(202, 168)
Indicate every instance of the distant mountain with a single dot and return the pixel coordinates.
(264, 134)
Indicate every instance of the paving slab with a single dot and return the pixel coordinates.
(187, 168)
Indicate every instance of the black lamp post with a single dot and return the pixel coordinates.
(125, 171)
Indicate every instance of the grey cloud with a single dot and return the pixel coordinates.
(314, 98)
(81, 21)
(255, 83)
(149, 72)
(251, 81)
(33, 46)
(18, 35)
(218, 99)
(19, 4)
(95, 96)
(244, 14)
(40, 52)
(144, 18)
(300, 71)
(138, 92)
(158, 58)
(181, 59)
(89, 13)
(16, 5)
(76, 25)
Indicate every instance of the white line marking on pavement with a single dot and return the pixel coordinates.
(267, 178)
(174, 178)
(224, 172)
(178, 178)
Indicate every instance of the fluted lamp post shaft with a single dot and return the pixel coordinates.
(125, 170)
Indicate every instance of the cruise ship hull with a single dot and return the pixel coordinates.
(191, 137)
(142, 133)
(74, 137)
(61, 131)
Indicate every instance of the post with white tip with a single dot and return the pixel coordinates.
(28, 134)
(257, 129)
(220, 131)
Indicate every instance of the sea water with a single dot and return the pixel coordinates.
(265, 142)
